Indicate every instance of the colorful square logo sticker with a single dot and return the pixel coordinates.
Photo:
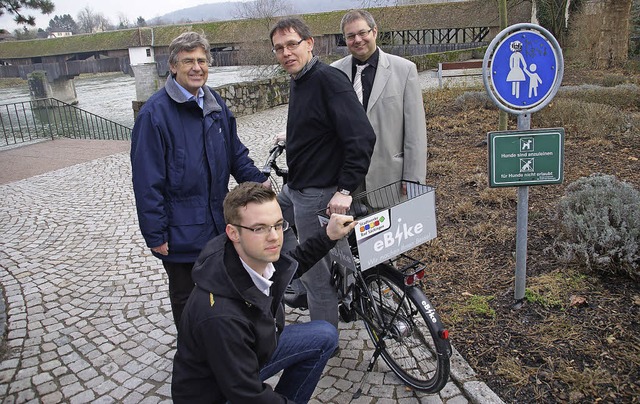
(374, 224)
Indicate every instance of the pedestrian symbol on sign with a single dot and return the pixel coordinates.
(517, 69)
(523, 69)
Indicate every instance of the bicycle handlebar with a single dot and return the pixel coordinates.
(274, 153)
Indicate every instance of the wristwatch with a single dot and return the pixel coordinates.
(344, 191)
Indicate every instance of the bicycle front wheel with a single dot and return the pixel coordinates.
(403, 323)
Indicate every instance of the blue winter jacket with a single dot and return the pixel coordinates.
(181, 159)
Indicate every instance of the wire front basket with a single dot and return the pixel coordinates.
(391, 220)
(388, 196)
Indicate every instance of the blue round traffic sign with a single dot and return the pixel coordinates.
(523, 68)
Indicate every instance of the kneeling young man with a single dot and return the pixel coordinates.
(232, 335)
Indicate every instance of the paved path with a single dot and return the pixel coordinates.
(87, 312)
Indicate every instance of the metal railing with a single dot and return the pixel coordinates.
(48, 118)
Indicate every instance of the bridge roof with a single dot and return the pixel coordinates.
(474, 13)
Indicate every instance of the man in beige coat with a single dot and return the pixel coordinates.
(392, 97)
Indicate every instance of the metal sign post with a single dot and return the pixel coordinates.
(526, 71)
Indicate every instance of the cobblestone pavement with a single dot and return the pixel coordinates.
(87, 311)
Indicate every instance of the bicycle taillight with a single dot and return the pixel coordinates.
(414, 277)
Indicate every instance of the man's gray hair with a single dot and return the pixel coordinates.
(188, 41)
(354, 15)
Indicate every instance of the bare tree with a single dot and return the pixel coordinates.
(383, 3)
(267, 10)
(90, 21)
(103, 23)
(257, 50)
(123, 21)
(86, 20)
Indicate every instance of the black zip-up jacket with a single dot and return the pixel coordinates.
(329, 137)
(229, 329)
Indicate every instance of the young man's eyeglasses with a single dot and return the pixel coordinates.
(265, 229)
(191, 62)
(362, 34)
(291, 46)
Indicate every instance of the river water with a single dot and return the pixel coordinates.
(110, 95)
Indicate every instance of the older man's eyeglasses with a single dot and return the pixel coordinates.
(192, 62)
(291, 46)
(362, 34)
(265, 229)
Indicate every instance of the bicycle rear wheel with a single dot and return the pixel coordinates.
(407, 329)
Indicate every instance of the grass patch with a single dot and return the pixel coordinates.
(475, 305)
(554, 289)
(584, 380)
(12, 82)
(513, 370)
(462, 211)
(498, 197)
(441, 167)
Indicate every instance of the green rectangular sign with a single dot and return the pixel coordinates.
(526, 157)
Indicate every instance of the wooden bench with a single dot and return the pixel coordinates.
(459, 69)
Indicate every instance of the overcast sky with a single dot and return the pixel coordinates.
(111, 9)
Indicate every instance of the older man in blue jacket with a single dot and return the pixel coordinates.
(184, 149)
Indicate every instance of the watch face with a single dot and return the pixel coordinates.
(344, 192)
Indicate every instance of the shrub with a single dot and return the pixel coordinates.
(599, 220)
(473, 100)
(612, 80)
(584, 119)
(624, 96)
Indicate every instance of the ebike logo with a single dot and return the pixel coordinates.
(373, 224)
(403, 232)
(430, 312)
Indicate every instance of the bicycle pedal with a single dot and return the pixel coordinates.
(346, 315)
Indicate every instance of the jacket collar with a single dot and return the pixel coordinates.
(210, 102)
(219, 270)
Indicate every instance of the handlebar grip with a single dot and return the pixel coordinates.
(274, 153)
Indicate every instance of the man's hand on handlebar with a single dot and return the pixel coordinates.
(280, 137)
(339, 203)
(339, 226)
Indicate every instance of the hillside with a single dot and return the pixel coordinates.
(228, 10)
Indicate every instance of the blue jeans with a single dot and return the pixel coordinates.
(302, 352)
(302, 205)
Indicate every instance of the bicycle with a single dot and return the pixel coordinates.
(381, 287)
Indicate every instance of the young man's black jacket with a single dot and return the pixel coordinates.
(230, 329)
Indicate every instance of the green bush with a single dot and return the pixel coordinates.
(599, 220)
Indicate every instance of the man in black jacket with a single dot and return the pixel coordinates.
(329, 146)
(232, 334)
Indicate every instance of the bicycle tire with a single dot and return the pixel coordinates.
(411, 346)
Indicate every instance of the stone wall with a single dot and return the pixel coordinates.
(248, 97)
(254, 96)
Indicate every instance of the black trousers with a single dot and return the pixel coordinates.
(180, 286)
